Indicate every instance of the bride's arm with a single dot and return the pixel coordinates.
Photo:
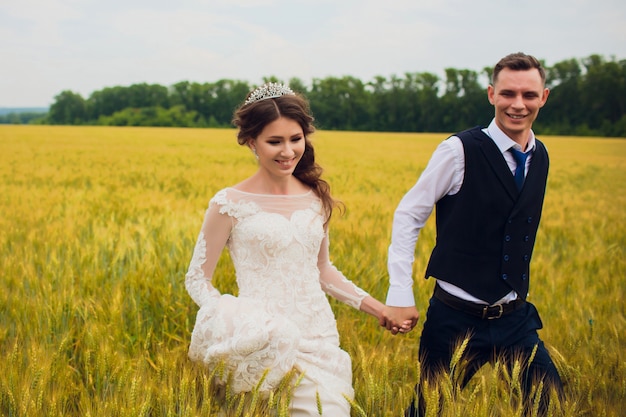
(212, 238)
(334, 283)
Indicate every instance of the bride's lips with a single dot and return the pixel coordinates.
(285, 163)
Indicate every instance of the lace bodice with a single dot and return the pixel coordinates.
(277, 243)
(281, 317)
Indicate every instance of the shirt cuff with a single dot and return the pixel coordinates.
(399, 297)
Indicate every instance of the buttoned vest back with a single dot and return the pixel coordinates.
(486, 232)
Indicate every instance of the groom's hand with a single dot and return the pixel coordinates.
(400, 319)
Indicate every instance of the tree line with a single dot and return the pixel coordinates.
(588, 97)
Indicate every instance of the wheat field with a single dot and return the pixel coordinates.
(97, 226)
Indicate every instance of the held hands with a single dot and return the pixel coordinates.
(399, 319)
(395, 319)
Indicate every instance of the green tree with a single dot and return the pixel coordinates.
(147, 95)
(563, 110)
(339, 103)
(68, 108)
(107, 101)
(604, 91)
(428, 101)
(464, 102)
(297, 85)
(226, 96)
(381, 117)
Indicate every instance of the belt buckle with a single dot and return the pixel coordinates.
(486, 309)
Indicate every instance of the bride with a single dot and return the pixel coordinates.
(275, 225)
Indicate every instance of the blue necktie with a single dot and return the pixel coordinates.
(520, 160)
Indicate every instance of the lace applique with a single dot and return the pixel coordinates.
(346, 296)
(236, 210)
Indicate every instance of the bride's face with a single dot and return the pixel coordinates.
(279, 146)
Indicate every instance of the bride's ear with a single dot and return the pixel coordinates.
(252, 146)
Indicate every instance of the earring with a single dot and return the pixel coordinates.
(255, 154)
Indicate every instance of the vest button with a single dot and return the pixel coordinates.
(526, 238)
(506, 257)
(526, 257)
(504, 276)
(530, 219)
(524, 276)
(507, 238)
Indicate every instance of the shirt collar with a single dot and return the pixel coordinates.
(503, 142)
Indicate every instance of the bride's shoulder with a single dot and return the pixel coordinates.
(220, 197)
(234, 202)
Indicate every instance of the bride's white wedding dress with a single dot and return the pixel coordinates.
(281, 318)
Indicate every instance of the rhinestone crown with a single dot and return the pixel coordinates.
(268, 90)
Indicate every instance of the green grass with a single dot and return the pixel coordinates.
(97, 226)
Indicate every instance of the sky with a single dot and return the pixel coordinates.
(48, 46)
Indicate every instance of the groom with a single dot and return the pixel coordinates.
(486, 227)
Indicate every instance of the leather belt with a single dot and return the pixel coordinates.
(482, 311)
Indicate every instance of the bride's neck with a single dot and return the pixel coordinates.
(263, 184)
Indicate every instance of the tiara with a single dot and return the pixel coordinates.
(268, 90)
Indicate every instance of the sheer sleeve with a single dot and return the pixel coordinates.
(212, 238)
(334, 283)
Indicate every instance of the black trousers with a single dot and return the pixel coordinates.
(510, 337)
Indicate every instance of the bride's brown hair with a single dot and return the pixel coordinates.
(252, 118)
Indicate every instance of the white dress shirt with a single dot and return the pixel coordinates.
(443, 176)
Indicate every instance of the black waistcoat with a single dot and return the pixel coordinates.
(486, 232)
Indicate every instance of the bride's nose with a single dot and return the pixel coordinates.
(287, 151)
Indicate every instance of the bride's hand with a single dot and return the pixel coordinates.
(399, 319)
